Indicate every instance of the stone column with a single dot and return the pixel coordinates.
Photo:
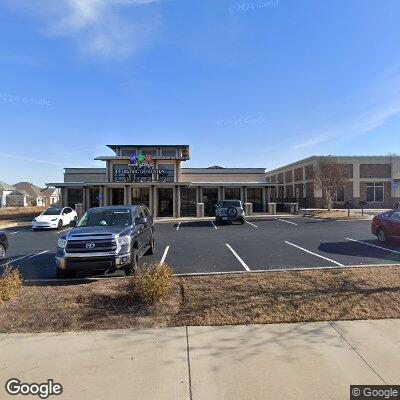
(151, 199)
(177, 201)
(155, 201)
(242, 194)
(105, 196)
(265, 198)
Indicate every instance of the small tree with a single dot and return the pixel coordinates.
(329, 176)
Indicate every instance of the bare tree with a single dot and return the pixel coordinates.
(329, 176)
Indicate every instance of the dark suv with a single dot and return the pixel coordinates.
(3, 245)
(106, 239)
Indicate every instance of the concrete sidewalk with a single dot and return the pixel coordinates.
(258, 362)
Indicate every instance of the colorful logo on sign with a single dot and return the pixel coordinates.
(140, 158)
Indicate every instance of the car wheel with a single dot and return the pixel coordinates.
(382, 236)
(150, 251)
(242, 221)
(60, 224)
(133, 266)
(65, 273)
(2, 252)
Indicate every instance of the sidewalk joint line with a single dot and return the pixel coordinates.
(359, 355)
(188, 362)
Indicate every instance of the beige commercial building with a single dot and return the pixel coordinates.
(153, 175)
(375, 179)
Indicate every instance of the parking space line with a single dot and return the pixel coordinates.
(179, 225)
(244, 265)
(288, 222)
(164, 255)
(24, 230)
(374, 245)
(38, 254)
(214, 225)
(11, 261)
(252, 224)
(314, 254)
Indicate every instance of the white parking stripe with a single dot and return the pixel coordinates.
(38, 254)
(164, 255)
(177, 228)
(252, 224)
(16, 259)
(213, 225)
(314, 254)
(288, 222)
(23, 230)
(374, 245)
(237, 256)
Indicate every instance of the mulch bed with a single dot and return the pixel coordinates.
(248, 298)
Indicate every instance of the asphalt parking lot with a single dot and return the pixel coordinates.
(201, 246)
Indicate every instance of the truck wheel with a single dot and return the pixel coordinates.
(133, 266)
(382, 236)
(65, 273)
(152, 247)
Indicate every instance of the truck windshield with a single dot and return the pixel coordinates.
(230, 203)
(106, 218)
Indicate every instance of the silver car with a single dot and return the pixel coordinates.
(229, 210)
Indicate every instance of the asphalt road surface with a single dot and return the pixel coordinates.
(201, 246)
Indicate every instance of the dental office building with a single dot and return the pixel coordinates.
(153, 175)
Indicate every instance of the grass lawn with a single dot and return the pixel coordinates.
(248, 298)
(18, 215)
(337, 214)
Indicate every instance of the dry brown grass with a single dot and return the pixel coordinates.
(18, 215)
(10, 284)
(336, 214)
(152, 283)
(249, 298)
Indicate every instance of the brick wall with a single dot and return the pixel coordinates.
(288, 176)
(375, 171)
(309, 171)
(298, 174)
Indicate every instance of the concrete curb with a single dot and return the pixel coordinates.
(29, 282)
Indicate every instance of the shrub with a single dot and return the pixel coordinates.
(10, 284)
(152, 283)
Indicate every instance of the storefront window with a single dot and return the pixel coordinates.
(94, 193)
(188, 202)
(254, 195)
(375, 192)
(232, 193)
(168, 173)
(117, 196)
(141, 196)
(74, 196)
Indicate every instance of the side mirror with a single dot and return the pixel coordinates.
(72, 224)
(141, 221)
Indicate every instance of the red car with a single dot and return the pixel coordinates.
(386, 226)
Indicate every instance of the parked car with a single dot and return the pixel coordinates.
(229, 210)
(54, 218)
(386, 226)
(106, 239)
(3, 245)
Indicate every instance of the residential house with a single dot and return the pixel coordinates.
(5, 190)
(35, 195)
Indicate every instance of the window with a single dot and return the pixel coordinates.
(169, 152)
(167, 174)
(232, 193)
(74, 196)
(149, 152)
(340, 195)
(375, 192)
(396, 215)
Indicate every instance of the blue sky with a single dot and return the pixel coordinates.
(244, 83)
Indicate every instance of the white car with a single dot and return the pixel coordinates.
(54, 217)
